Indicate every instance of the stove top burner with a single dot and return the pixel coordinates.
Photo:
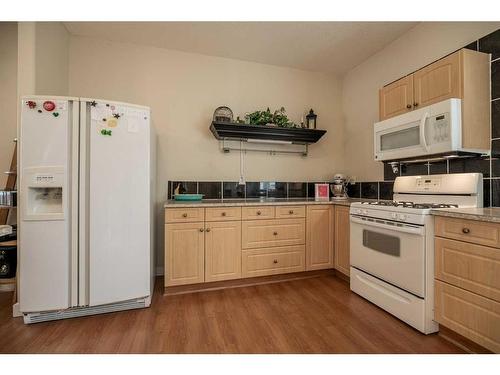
(411, 204)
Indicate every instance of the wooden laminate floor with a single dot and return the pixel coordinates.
(316, 315)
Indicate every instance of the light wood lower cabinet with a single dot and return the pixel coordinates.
(467, 279)
(184, 254)
(471, 315)
(342, 245)
(224, 243)
(222, 251)
(319, 237)
(272, 261)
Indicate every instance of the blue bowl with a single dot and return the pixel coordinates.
(188, 197)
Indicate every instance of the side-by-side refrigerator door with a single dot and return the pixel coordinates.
(48, 171)
(115, 203)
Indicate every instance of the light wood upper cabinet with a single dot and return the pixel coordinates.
(319, 237)
(396, 98)
(342, 233)
(438, 81)
(222, 250)
(184, 254)
(463, 75)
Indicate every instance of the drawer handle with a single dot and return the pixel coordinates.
(408, 106)
(223, 214)
(290, 212)
(207, 230)
(275, 261)
(258, 213)
(201, 229)
(465, 230)
(275, 233)
(184, 215)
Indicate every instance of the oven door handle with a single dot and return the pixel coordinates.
(404, 229)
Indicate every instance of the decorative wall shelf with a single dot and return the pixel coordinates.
(244, 132)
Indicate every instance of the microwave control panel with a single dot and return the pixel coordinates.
(438, 129)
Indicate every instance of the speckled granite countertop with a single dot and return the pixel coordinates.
(257, 202)
(491, 214)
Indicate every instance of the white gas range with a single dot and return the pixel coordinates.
(392, 243)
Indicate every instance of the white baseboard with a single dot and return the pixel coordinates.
(16, 313)
(159, 271)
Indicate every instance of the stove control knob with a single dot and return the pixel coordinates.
(394, 215)
(365, 212)
(403, 217)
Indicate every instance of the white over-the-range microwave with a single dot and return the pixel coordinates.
(435, 129)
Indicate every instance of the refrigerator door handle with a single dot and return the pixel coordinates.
(83, 258)
(75, 137)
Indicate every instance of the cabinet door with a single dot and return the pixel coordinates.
(319, 237)
(396, 98)
(438, 81)
(184, 254)
(222, 251)
(342, 250)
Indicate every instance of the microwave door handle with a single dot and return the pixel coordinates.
(423, 141)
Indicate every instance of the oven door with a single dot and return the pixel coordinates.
(402, 136)
(391, 251)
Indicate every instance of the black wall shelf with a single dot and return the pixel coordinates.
(242, 132)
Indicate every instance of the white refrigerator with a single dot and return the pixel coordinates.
(86, 186)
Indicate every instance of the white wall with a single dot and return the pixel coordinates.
(183, 90)
(52, 55)
(418, 47)
(8, 95)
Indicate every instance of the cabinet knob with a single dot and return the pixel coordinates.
(408, 106)
(290, 212)
(223, 214)
(275, 233)
(201, 229)
(275, 261)
(184, 215)
(415, 104)
(465, 230)
(258, 213)
(207, 230)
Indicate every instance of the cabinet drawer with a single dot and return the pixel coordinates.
(272, 261)
(184, 215)
(223, 213)
(269, 233)
(468, 314)
(255, 213)
(468, 230)
(472, 267)
(290, 211)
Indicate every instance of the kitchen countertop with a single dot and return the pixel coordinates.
(257, 202)
(491, 214)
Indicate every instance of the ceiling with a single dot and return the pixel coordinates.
(333, 47)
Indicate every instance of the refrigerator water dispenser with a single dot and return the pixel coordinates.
(44, 194)
(44, 200)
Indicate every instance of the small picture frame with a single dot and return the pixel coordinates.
(322, 192)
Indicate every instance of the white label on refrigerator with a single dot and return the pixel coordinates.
(100, 112)
(61, 106)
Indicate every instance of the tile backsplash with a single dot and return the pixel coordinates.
(252, 189)
(488, 166)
